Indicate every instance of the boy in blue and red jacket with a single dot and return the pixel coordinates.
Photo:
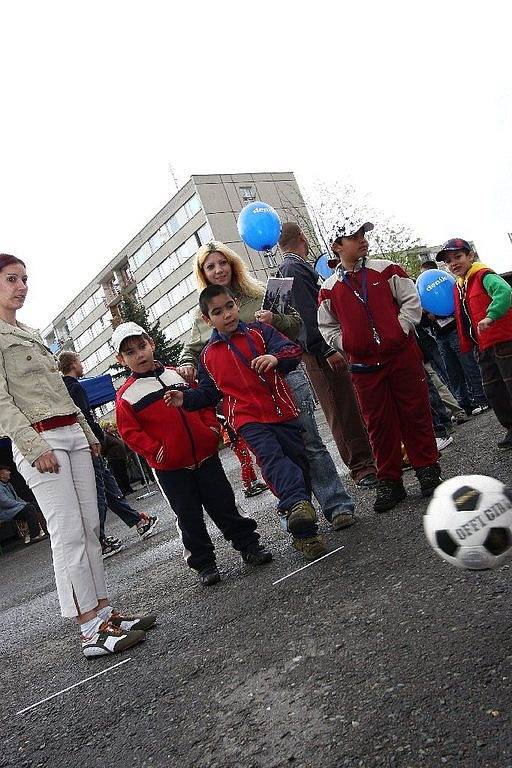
(182, 448)
(243, 363)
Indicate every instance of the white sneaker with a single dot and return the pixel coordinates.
(479, 409)
(109, 639)
(443, 442)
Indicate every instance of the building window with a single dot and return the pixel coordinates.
(97, 357)
(204, 234)
(248, 194)
(85, 309)
(174, 296)
(91, 333)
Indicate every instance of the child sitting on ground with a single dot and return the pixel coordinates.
(484, 321)
(182, 448)
(242, 363)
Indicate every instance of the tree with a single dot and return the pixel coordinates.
(166, 352)
(391, 239)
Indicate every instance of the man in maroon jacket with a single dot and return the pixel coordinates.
(368, 309)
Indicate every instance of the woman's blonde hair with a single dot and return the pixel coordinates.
(242, 283)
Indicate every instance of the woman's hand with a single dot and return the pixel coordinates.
(263, 363)
(264, 316)
(96, 450)
(47, 463)
(188, 372)
(173, 397)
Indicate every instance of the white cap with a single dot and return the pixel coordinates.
(124, 331)
(346, 228)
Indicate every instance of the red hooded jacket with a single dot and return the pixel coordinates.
(146, 423)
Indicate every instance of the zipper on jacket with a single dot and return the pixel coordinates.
(165, 387)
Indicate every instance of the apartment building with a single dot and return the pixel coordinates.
(155, 267)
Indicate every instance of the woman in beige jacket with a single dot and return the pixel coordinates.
(52, 445)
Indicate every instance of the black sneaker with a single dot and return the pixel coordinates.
(506, 443)
(389, 494)
(429, 478)
(368, 481)
(147, 526)
(110, 547)
(255, 489)
(209, 576)
(256, 554)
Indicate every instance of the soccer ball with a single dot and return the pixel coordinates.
(469, 522)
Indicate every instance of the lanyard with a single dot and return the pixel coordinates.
(363, 297)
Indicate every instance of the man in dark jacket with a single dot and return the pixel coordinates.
(327, 368)
(109, 494)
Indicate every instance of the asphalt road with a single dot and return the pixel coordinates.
(380, 655)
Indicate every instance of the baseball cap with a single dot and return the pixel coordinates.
(455, 244)
(347, 227)
(124, 331)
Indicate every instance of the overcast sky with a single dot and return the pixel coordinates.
(411, 102)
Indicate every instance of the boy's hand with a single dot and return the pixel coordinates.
(160, 455)
(173, 397)
(263, 363)
(188, 372)
(484, 324)
(96, 449)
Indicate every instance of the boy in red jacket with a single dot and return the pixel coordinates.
(182, 449)
(368, 310)
(484, 321)
(243, 363)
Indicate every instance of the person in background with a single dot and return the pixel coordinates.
(483, 310)
(252, 487)
(114, 451)
(461, 368)
(108, 492)
(326, 367)
(369, 309)
(14, 509)
(52, 446)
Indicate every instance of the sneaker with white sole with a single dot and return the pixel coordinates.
(147, 526)
(110, 547)
(479, 409)
(443, 442)
(128, 622)
(109, 639)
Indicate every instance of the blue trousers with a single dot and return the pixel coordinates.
(109, 495)
(326, 484)
(463, 372)
(281, 456)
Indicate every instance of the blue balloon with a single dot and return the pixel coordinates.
(322, 266)
(435, 288)
(259, 226)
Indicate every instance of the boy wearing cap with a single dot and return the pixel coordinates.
(369, 309)
(182, 449)
(483, 312)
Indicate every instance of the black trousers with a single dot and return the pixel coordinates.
(189, 491)
(496, 366)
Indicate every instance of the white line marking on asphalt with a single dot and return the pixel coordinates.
(308, 565)
(81, 682)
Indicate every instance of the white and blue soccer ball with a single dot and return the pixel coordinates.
(469, 522)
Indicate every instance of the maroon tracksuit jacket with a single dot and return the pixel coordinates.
(370, 315)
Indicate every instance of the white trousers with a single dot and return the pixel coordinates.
(69, 504)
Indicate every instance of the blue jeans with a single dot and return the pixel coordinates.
(109, 495)
(463, 372)
(326, 484)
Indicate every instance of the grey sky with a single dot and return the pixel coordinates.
(412, 103)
